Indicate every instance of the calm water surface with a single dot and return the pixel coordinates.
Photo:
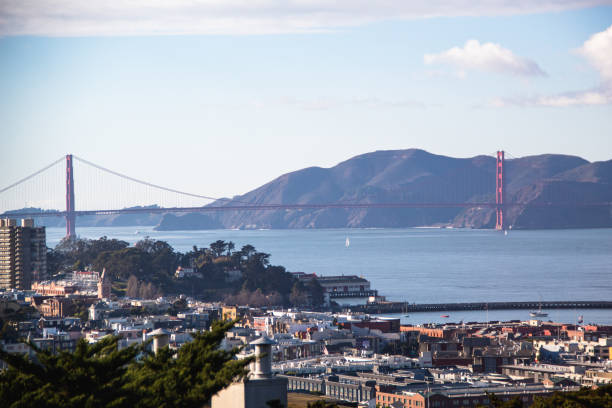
(428, 265)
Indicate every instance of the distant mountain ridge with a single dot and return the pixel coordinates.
(417, 176)
(407, 176)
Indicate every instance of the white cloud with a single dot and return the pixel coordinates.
(584, 98)
(488, 57)
(598, 52)
(178, 17)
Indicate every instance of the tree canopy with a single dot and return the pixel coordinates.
(600, 397)
(101, 375)
(146, 270)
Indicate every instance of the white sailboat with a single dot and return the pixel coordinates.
(348, 242)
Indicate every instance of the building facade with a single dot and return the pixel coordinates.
(104, 286)
(23, 254)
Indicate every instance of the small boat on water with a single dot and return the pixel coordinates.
(539, 312)
(406, 310)
(445, 316)
(347, 243)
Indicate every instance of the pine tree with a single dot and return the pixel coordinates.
(100, 375)
(189, 377)
(92, 376)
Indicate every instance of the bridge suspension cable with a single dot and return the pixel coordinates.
(170, 190)
(23, 180)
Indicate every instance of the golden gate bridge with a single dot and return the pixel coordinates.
(25, 189)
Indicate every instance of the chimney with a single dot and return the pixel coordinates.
(161, 338)
(263, 357)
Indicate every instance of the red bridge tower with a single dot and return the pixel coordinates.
(500, 193)
(70, 216)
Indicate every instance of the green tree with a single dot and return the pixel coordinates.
(247, 251)
(317, 294)
(600, 397)
(85, 251)
(218, 247)
(92, 376)
(321, 404)
(298, 295)
(497, 402)
(189, 377)
(100, 375)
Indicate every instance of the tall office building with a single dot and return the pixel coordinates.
(23, 254)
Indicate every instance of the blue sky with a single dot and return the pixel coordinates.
(222, 112)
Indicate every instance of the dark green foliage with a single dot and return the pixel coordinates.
(99, 375)
(82, 252)
(81, 309)
(322, 404)
(199, 371)
(497, 402)
(124, 262)
(8, 331)
(146, 270)
(317, 297)
(218, 248)
(11, 313)
(92, 376)
(584, 398)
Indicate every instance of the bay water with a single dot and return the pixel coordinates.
(429, 265)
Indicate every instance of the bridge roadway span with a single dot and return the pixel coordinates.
(273, 207)
(403, 307)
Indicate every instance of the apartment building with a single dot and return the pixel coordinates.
(23, 254)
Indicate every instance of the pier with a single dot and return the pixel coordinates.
(404, 307)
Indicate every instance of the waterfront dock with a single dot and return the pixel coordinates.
(404, 307)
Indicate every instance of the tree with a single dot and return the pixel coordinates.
(92, 376)
(247, 251)
(298, 296)
(274, 298)
(600, 397)
(321, 404)
(132, 287)
(218, 247)
(85, 251)
(230, 248)
(100, 375)
(8, 331)
(317, 293)
(191, 376)
(123, 263)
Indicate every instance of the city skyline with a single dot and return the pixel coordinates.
(193, 109)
